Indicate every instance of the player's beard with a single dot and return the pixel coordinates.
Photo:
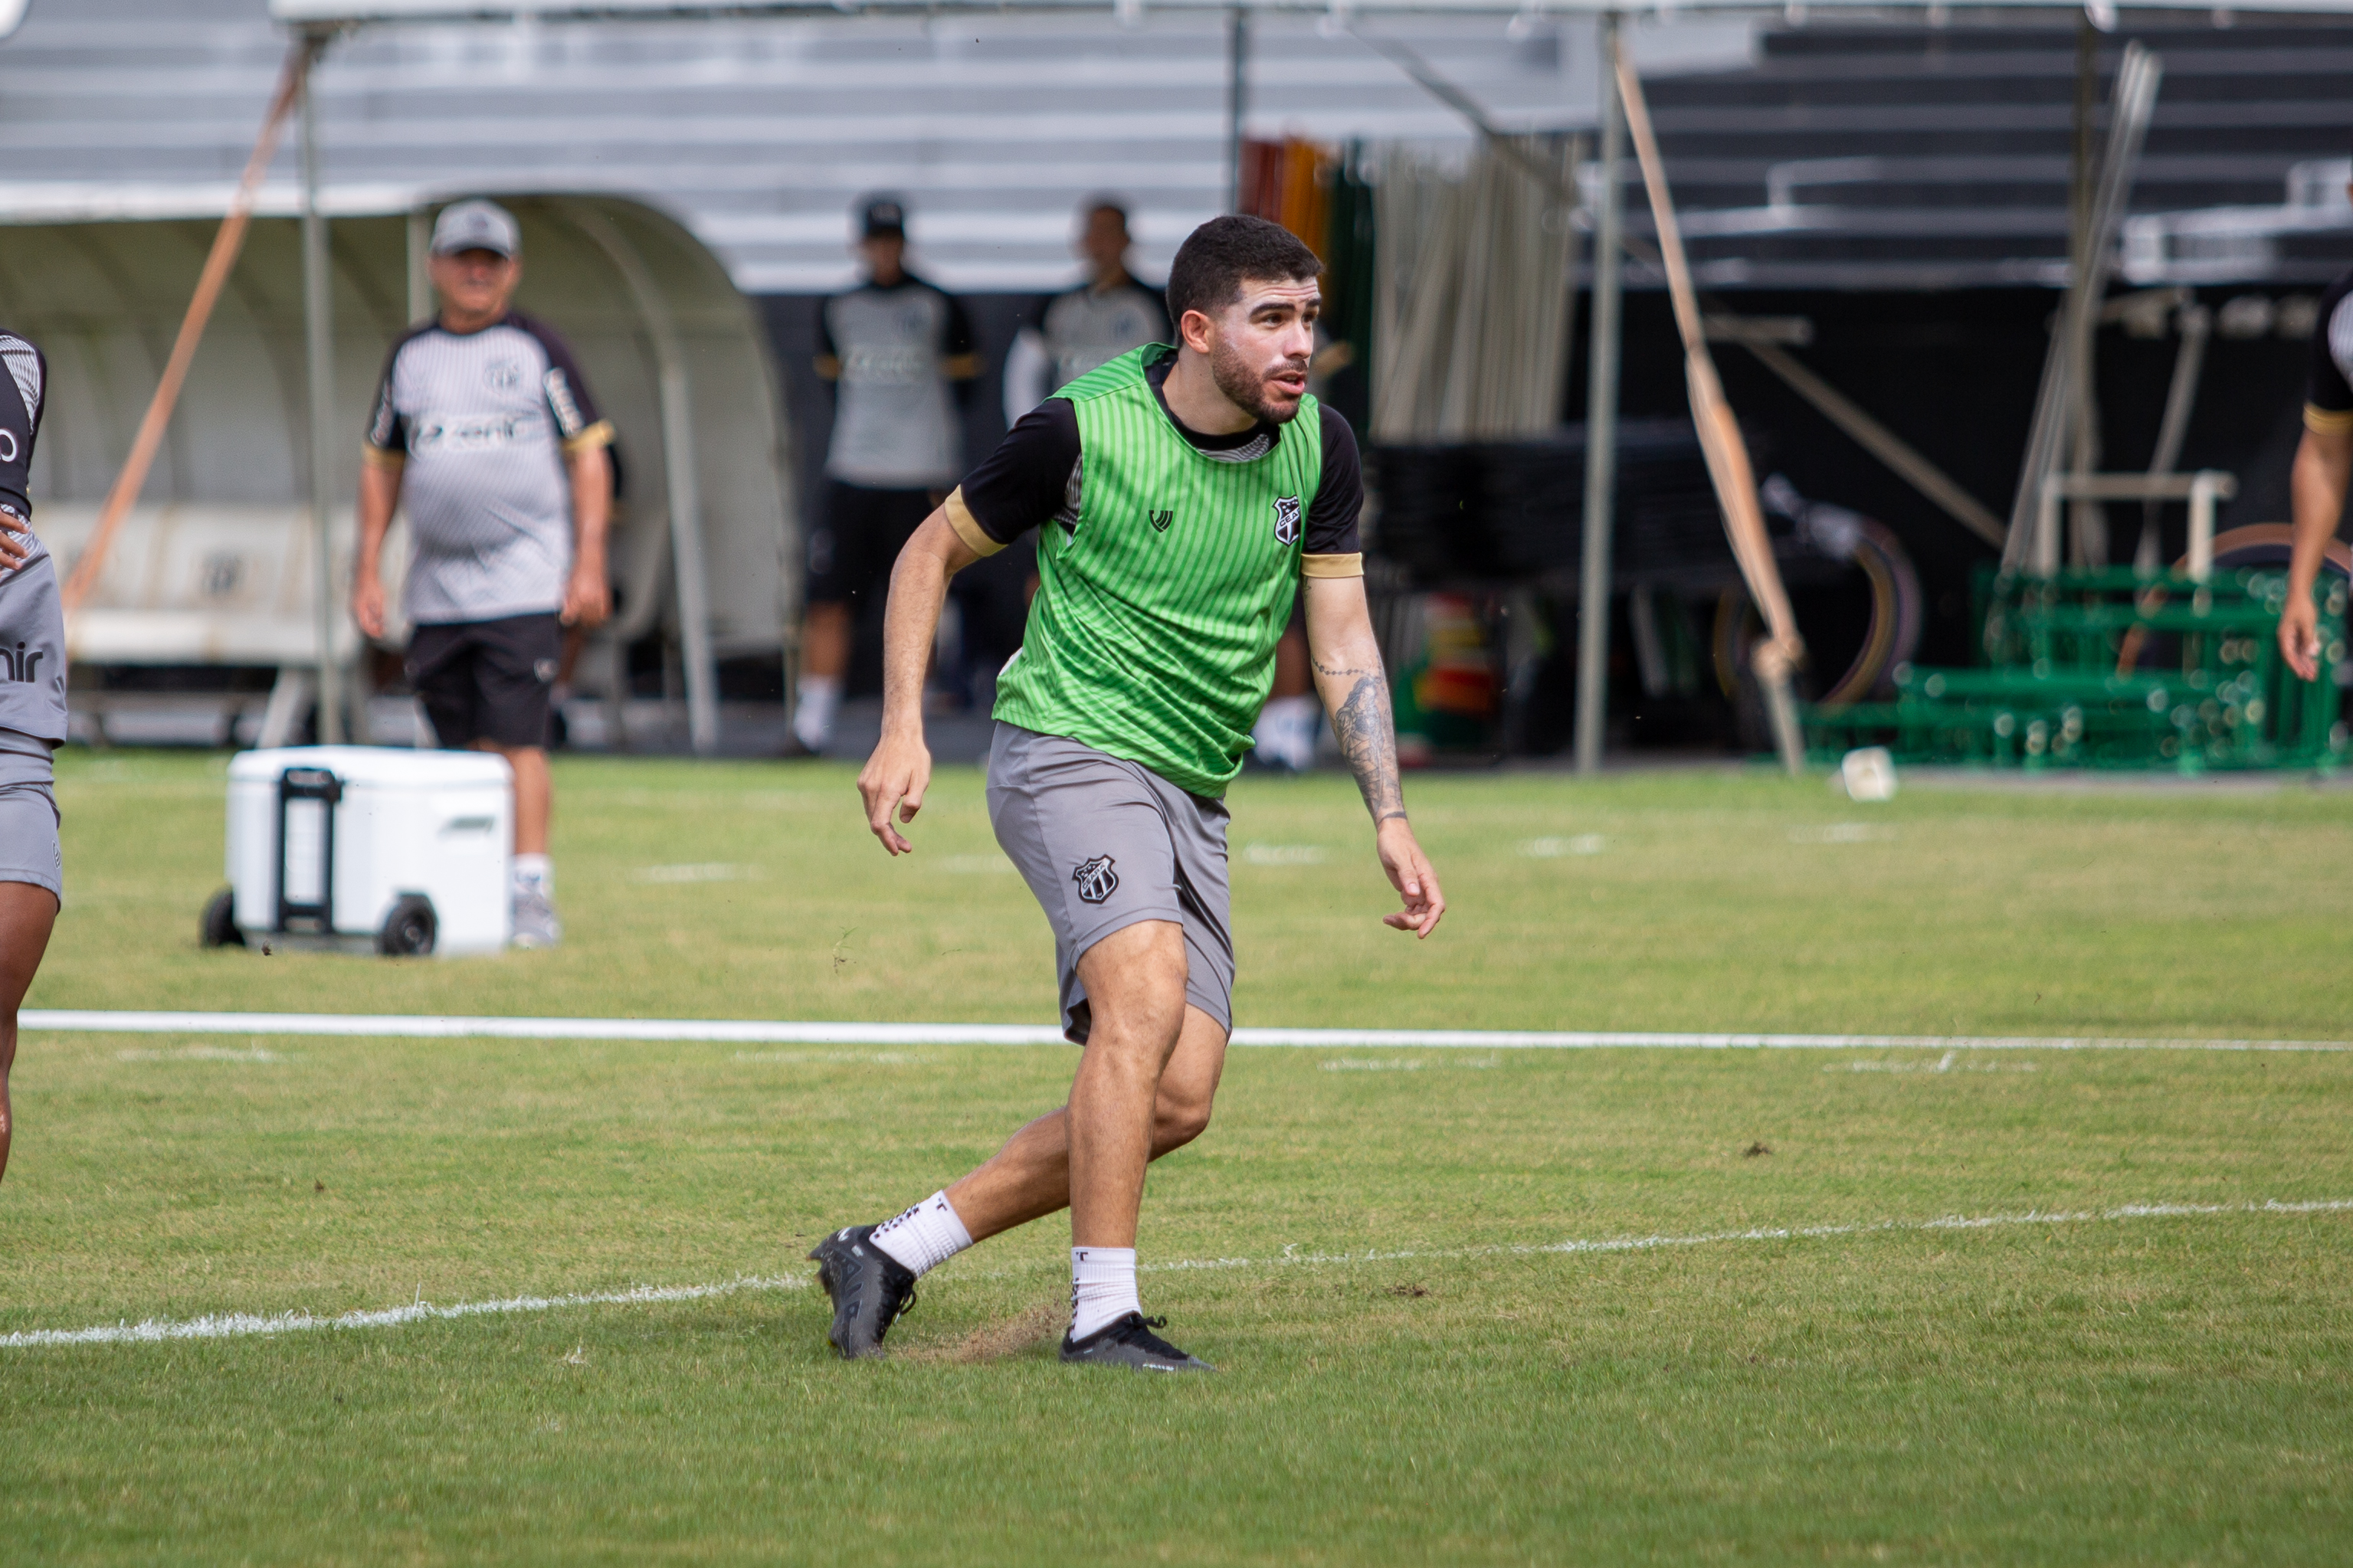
(1245, 386)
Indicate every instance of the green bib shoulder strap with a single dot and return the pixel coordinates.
(1114, 375)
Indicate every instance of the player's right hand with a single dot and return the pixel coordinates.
(13, 552)
(2300, 636)
(367, 604)
(895, 778)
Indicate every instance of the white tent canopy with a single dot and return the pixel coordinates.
(217, 564)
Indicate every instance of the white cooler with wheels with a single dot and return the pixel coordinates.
(406, 852)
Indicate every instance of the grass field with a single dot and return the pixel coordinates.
(1371, 1244)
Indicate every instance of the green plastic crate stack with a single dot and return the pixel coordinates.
(2106, 668)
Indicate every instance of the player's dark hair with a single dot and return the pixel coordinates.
(1106, 204)
(1224, 253)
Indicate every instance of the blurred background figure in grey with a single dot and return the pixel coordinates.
(899, 353)
(1091, 324)
(1065, 336)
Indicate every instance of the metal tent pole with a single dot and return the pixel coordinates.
(420, 236)
(679, 474)
(1237, 102)
(319, 345)
(1601, 421)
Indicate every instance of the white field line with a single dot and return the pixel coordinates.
(1291, 1255)
(239, 1325)
(761, 1031)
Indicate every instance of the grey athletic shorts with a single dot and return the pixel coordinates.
(28, 816)
(1105, 843)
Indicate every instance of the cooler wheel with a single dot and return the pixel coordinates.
(408, 932)
(219, 926)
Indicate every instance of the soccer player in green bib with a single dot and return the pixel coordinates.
(1182, 496)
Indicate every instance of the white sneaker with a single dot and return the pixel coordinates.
(535, 924)
(812, 739)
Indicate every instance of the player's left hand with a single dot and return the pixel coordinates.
(1410, 874)
(588, 598)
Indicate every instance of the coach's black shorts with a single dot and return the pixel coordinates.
(488, 680)
(851, 551)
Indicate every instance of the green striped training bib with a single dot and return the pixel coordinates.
(1151, 636)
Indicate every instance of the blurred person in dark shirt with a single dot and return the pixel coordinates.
(899, 352)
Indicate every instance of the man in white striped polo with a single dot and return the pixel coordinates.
(485, 427)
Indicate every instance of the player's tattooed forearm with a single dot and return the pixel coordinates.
(1345, 670)
(1367, 737)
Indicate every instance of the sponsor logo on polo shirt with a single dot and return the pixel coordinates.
(475, 432)
(888, 364)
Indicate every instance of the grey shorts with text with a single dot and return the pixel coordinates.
(1105, 843)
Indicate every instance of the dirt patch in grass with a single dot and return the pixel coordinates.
(1007, 1336)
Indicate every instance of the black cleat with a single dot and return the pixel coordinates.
(1131, 1342)
(869, 1287)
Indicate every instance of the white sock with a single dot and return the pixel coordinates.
(924, 1236)
(1103, 1288)
(820, 699)
(1299, 729)
(1285, 733)
(534, 873)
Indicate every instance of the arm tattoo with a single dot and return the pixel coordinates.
(1367, 736)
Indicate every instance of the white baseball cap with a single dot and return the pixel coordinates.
(474, 225)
